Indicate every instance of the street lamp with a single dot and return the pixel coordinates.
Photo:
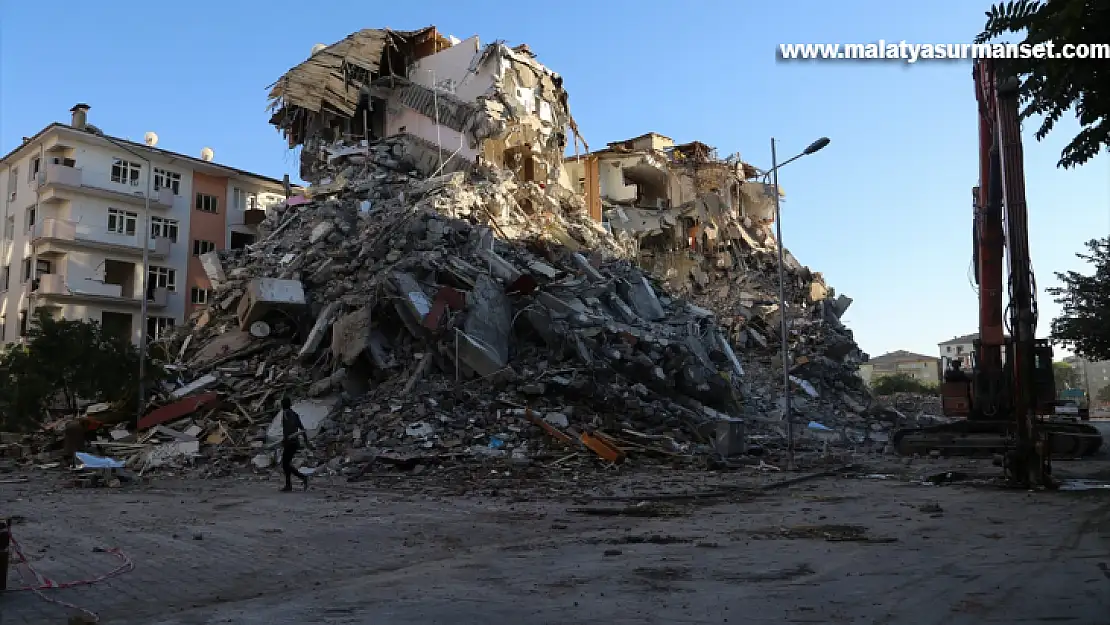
(146, 270)
(774, 172)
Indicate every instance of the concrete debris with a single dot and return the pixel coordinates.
(427, 304)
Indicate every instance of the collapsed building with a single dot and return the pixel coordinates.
(455, 105)
(450, 288)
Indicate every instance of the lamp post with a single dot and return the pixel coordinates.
(774, 172)
(143, 311)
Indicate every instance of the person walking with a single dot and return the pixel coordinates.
(292, 430)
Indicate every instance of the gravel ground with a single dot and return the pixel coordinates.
(873, 546)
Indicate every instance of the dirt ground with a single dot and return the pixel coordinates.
(873, 545)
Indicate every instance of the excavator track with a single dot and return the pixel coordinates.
(1069, 439)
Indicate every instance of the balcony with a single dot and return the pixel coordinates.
(253, 217)
(57, 236)
(57, 179)
(54, 287)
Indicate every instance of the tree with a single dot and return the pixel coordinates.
(1066, 376)
(67, 361)
(1084, 322)
(1050, 87)
(901, 383)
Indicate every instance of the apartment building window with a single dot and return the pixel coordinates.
(166, 178)
(163, 278)
(242, 200)
(126, 172)
(33, 172)
(162, 228)
(29, 218)
(42, 266)
(202, 247)
(121, 221)
(5, 277)
(3, 328)
(200, 296)
(23, 323)
(158, 327)
(12, 183)
(207, 203)
(9, 228)
(948, 349)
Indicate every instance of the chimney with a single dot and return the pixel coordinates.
(80, 116)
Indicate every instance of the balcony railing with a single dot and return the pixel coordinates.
(58, 176)
(70, 233)
(56, 286)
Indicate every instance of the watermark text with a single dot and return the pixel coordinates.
(914, 52)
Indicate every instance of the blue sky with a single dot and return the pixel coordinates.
(884, 211)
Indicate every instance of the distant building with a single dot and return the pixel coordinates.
(1093, 376)
(960, 348)
(925, 369)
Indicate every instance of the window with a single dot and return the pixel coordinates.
(158, 327)
(125, 172)
(41, 267)
(244, 201)
(121, 221)
(12, 177)
(162, 228)
(207, 203)
(29, 218)
(3, 327)
(5, 276)
(23, 323)
(948, 349)
(9, 228)
(165, 178)
(33, 171)
(200, 296)
(202, 247)
(162, 278)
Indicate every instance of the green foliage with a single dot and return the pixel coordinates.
(67, 361)
(1066, 376)
(901, 383)
(1103, 394)
(1084, 322)
(1052, 87)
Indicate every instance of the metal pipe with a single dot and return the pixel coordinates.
(782, 313)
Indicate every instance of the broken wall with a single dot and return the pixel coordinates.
(401, 119)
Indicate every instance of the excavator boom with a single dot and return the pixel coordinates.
(1006, 402)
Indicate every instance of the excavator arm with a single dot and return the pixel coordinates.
(1004, 401)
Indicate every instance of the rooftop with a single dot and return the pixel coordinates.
(900, 355)
(141, 147)
(967, 338)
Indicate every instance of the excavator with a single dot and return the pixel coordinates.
(1005, 405)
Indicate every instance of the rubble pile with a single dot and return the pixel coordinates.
(412, 328)
(424, 303)
(917, 406)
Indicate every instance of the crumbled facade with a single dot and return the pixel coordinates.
(458, 105)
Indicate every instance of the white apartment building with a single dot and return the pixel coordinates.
(73, 222)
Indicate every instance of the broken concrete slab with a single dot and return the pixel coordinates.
(484, 342)
(265, 295)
